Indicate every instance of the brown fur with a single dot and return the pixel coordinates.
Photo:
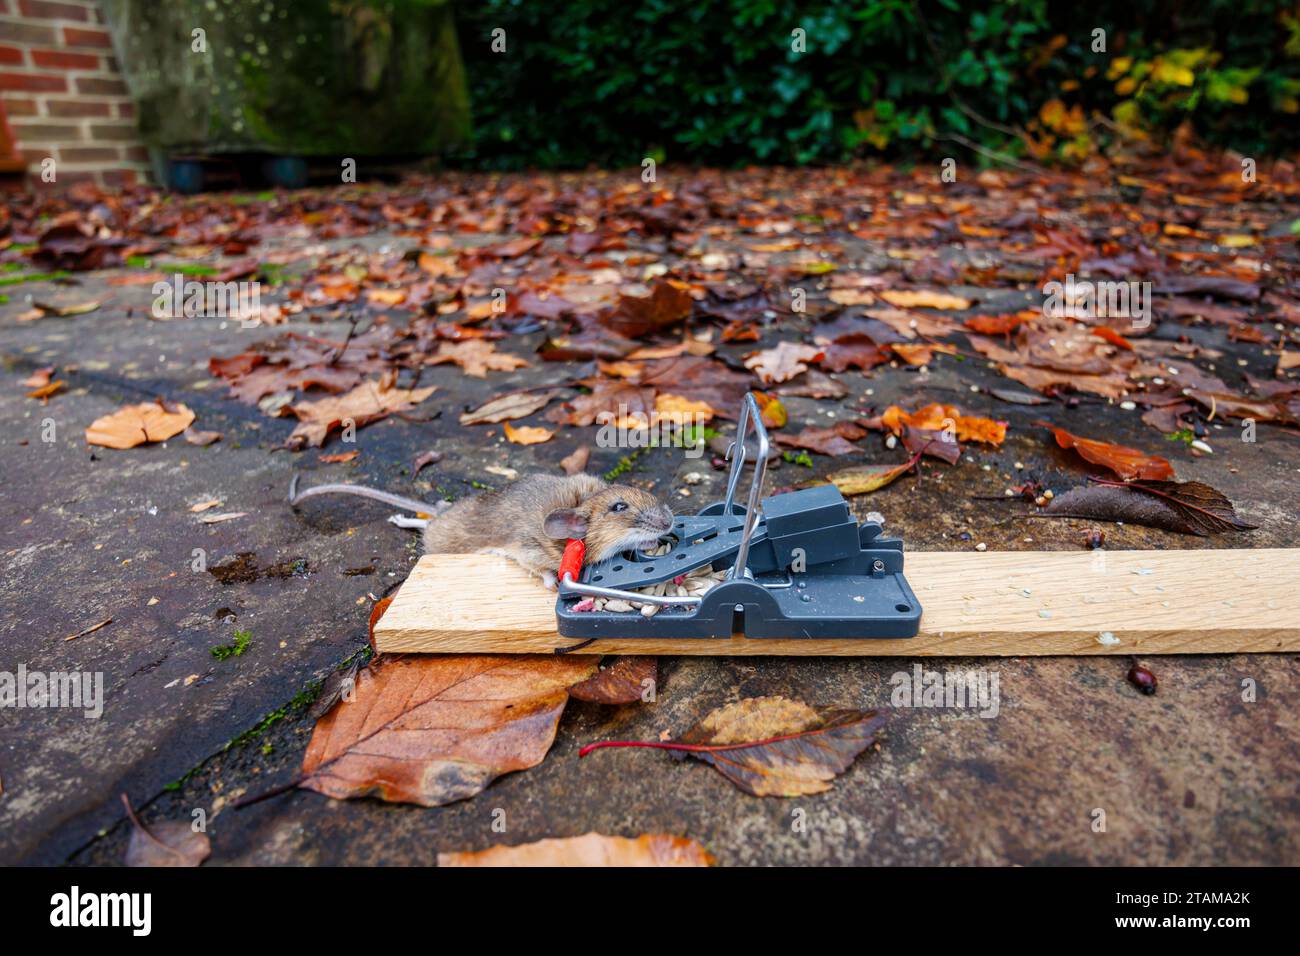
(528, 520)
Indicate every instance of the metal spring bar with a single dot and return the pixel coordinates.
(748, 412)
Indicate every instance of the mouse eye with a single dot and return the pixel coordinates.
(618, 506)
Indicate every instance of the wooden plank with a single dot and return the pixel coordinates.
(1007, 603)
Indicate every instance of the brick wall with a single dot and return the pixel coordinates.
(63, 94)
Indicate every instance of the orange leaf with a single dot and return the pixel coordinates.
(590, 849)
(137, 424)
(526, 434)
(924, 299)
(942, 418)
(1113, 337)
(1125, 462)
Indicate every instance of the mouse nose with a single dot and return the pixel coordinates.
(665, 517)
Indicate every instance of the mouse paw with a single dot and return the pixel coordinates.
(548, 580)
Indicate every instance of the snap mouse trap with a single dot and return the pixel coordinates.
(795, 574)
(797, 565)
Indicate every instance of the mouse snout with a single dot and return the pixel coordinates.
(658, 519)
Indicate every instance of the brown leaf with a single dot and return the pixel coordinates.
(477, 357)
(424, 460)
(368, 402)
(165, 843)
(1122, 460)
(623, 681)
(431, 729)
(201, 438)
(774, 746)
(836, 440)
(637, 315)
(510, 406)
(576, 463)
(591, 849)
(137, 424)
(46, 391)
(1187, 507)
(39, 377)
(783, 362)
(856, 349)
(339, 458)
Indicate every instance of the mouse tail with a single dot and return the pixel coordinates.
(374, 494)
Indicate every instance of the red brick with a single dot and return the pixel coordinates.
(117, 133)
(64, 60)
(27, 33)
(87, 154)
(29, 132)
(126, 110)
(20, 107)
(119, 177)
(45, 9)
(11, 56)
(74, 36)
(78, 108)
(136, 154)
(34, 83)
(98, 87)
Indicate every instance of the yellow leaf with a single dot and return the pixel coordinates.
(924, 299)
(682, 411)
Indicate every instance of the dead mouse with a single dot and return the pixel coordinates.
(529, 519)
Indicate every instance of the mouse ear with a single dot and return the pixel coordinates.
(565, 523)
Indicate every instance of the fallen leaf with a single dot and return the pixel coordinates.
(90, 630)
(681, 410)
(424, 460)
(774, 746)
(165, 843)
(863, 479)
(224, 516)
(1122, 460)
(771, 409)
(66, 311)
(510, 406)
(476, 357)
(368, 402)
(624, 681)
(138, 424)
(339, 458)
(783, 362)
(590, 849)
(39, 377)
(46, 391)
(638, 315)
(576, 463)
(201, 438)
(204, 505)
(1187, 507)
(527, 434)
(924, 299)
(1000, 324)
(945, 418)
(432, 729)
(836, 440)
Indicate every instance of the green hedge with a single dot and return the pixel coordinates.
(717, 81)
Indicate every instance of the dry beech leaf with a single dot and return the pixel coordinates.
(1186, 507)
(527, 434)
(1122, 460)
(432, 729)
(476, 357)
(508, 407)
(783, 362)
(773, 746)
(591, 849)
(138, 424)
(165, 842)
(205, 505)
(623, 681)
(924, 299)
(368, 402)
